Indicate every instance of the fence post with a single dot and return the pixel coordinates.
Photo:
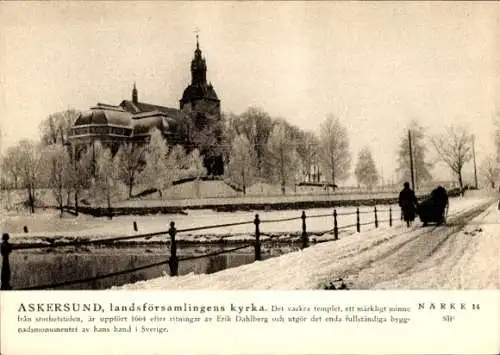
(390, 216)
(173, 262)
(5, 250)
(335, 225)
(135, 226)
(358, 226)
(305, 240)
(257, 237)
(376, 219)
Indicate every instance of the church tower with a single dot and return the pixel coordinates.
(201, 107)
(198, 67)
(200, 95)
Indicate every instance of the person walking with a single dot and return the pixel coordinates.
(5, 249)
(408, 203)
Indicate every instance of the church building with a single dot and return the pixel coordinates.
(132, 121)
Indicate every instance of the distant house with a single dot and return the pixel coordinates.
(133, 120)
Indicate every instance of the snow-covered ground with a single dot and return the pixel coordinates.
(206, 193)
(49, 224)
(461, 255)
(266, 199)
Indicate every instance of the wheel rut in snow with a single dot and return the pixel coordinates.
(391, 260)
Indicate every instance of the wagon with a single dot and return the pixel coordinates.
(435, 208)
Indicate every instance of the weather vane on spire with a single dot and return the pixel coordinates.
(197, 32)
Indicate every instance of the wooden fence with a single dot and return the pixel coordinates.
(173, 260)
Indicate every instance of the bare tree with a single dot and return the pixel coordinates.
(307, 149)
(55, 128)
(130, 159)
(58, 164)
(12, 166)
(194, 164)
(177, 157)
(256, 125)
(419, 151)
(284, 156)
(30, 162)
(490, 170)
(454, 148)
(80, 172)
(334, 149)
(156, 173)
(242, 163)
(366, 171)
(106, 176)
(231, 123)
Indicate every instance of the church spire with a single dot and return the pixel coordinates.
(135, 98)
(198, 66)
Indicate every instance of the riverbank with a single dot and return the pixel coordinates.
(267, 203)
(47, 227)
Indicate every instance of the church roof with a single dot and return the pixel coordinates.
(108, 107)
(198, 92)
(142, 107)
(146, 124)
(142, 117)
(103, 116)
(141, 123)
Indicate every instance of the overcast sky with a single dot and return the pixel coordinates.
(374, 65)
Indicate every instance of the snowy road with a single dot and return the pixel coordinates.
(466, 257)
(460, 255)
(430, 252)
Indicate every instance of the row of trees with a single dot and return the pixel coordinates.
(33, 165)
(263, 149)
(255, 147)
(455, 148)
(272, 150)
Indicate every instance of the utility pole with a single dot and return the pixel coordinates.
(474, 160)
(411, 161)
(382, 176)
(415, 170)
